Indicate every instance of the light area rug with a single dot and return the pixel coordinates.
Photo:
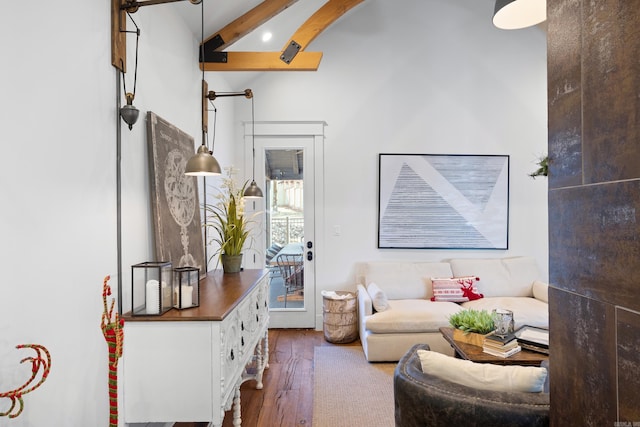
(348, 391)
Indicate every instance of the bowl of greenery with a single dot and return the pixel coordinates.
(471, 325)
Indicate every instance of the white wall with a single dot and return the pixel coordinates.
(429, 77)
(415, 76)
(58, 188)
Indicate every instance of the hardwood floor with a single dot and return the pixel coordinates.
(287, 397)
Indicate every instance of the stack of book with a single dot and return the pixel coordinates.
(501, 346)
(532, 338)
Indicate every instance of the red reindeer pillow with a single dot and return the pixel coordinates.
(455, 289)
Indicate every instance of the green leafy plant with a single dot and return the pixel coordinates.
(543, 170)
(470, 320)
(226, 218)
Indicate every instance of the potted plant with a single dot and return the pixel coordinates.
(471, 325)
(543, 169)
(231, 228)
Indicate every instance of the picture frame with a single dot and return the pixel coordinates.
(174, 196)
(443, 201)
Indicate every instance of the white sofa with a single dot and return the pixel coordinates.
(403, 291)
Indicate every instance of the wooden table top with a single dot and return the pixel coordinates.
(219, 295)
(475, 354)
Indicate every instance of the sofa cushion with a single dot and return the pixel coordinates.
(540, 291)
(378, 297)
(411, 315)
(453, 288)
(484, 376)
(523, 271)
(526, 311)
(404, 280)
(512, 277)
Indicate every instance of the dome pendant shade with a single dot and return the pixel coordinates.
(202, 164)
(253, 190)
(128, 112)
(517, 14)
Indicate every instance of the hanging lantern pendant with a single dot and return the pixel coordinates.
(128, 112)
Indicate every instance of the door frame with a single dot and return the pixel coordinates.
(287, 129)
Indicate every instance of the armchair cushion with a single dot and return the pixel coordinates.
(483, 376)
(427, 400)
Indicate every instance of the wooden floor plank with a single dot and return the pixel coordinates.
(286, 399)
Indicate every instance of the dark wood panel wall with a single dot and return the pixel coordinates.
(593, 52)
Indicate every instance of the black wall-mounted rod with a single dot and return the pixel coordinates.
(132, 6)
(247, 93)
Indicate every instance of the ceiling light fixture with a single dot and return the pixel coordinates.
(128, 112)
(518, 14)
(203, 163)
(252, 191)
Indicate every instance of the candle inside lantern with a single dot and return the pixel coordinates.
(152, 297)
(186, 296)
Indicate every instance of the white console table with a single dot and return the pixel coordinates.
(188, 365)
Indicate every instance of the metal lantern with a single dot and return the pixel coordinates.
(186, 287)
(151, 288)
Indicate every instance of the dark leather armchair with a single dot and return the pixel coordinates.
(425, 401)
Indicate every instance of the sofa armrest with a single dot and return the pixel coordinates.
(365, 305)
(541, 291)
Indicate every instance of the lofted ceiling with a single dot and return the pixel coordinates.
(234, 31)
(220, 13)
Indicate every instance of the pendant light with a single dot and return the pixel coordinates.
(518, 14)
(129, 113)
(203, 163)
(253, 191)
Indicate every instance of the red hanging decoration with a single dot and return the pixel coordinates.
(37, 363)
(114, 334)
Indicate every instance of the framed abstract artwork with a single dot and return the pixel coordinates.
(174, 196)
(435, 201)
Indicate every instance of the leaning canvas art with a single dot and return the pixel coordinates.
(174, 196)
(433, 201)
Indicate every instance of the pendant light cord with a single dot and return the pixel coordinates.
(135, 71)
(253, 140)
(202, 95)
(215, 119)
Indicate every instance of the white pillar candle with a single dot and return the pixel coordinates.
(187, 296)
(152, 297)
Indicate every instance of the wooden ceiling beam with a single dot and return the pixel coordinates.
(246, 23)
(292, 58)
(265, 61)
(320, 20)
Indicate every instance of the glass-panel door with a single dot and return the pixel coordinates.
(285, 171)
